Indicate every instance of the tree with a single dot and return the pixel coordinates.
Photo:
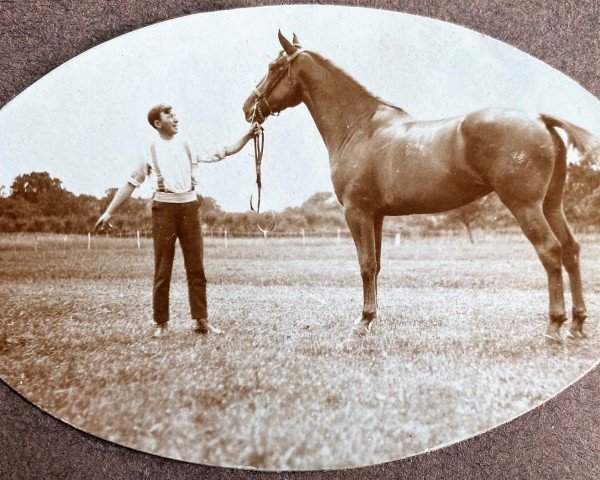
(487, 212)
(593, 208)
(47, 193)
(322, 210)
(210, 211)
(31, 186)
(466, 216)
(580, 189)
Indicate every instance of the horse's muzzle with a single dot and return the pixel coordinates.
(248, 108)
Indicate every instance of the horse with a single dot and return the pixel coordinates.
(386, 163)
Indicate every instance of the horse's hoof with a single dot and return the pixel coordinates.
(362, 327)
(352, 340)
(576, 329)
(360, 330)
(552, 334)
(358, 333)
(576, 334)
(553, 338)
(571, 335)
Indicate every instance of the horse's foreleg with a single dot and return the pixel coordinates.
(378, 238)
(362, 227)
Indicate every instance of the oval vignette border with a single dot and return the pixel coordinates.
(560, 438)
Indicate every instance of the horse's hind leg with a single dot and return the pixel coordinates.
(553, 210)
(533, 222)
(570, 260)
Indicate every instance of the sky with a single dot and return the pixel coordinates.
(85, 122)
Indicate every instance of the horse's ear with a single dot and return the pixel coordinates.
(285, 43)
(296, 42)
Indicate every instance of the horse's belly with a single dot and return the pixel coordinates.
(422, 198)
(436, 181)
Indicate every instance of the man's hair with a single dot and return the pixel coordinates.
(154, 113)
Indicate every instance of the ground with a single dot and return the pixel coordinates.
(457, 347)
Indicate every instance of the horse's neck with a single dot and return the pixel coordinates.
(336, 103)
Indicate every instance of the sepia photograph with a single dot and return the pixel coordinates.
(335, 238)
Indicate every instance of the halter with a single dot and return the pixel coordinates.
(259, 137)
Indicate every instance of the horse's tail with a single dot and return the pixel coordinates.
(587, 144)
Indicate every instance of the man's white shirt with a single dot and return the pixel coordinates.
(174, 165)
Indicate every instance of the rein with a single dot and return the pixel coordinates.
(259, 137)
(259, 147)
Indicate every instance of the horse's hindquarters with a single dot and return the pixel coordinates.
(512, 152)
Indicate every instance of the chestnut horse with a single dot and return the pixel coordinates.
(384, 162)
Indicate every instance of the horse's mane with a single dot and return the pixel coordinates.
(332, 66)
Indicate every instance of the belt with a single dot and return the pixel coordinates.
(169, 197)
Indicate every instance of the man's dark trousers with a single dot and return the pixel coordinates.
(171, 221)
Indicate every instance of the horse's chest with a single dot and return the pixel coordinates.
(356, 180)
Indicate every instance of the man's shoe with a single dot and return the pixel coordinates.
(203, 327)
(160, 331)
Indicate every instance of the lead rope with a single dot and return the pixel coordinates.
(259, 145)
(259, 138)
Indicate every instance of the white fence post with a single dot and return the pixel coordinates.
(225, 239)
(303, 237)
(89, 243)
(139, 245)
(339, 232)
(36, 243)
(397, 241)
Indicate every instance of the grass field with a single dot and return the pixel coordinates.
(457, 348)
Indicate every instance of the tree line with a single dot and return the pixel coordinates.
(37, 202)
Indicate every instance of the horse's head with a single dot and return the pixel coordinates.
(279, 89)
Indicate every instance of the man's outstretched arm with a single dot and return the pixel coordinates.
(228, 151)
(123, 194)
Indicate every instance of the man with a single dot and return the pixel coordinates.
(175, 215)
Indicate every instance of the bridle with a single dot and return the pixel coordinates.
(262, 96)
(259, 137)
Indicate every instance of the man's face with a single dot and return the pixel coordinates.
(167, 125)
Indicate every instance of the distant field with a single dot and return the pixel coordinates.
(457, 348)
